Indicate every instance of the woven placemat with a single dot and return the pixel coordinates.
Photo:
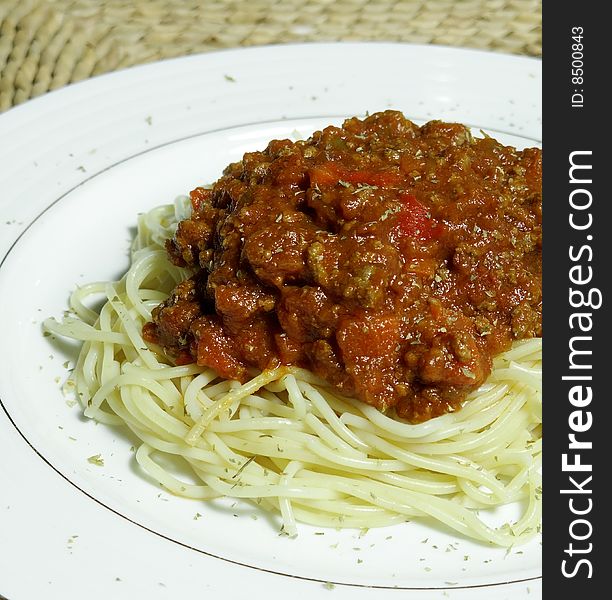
(45, 44)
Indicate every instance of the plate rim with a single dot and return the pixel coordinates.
(144, 67)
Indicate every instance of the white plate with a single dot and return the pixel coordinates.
(76, 166)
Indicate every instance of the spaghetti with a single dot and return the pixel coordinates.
(288, 442)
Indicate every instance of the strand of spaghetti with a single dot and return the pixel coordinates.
(523, 349)
(267, 491)
(79, 330)
(301, 374)
(536, 372)
(406, 430)
(109, 368)
(339, 403)
(332, 420)
(230, 457)
(488, 440)
(144, 407)
(168, 372)
(77, 297)
(316, 446)
(235, 395)
(320, 519)
(508, 410)
(162, 275)
(285, 449)
(102, 416)
(177, 448)
(372, 484)
(513, 430)
(417, 483)
(284, 503)
(194, 397)
(80, 376)
(340, 509)
(507, 457)
(277, 409)
(531, 518)
(256, 442)
(143, 457)
(329, 435)
(262, 449)
(459, 425)
(484, 499)
(119, 402)
(295, 395)
(142, 268)
(469, 434)
(131, 329)
(233, 406)
(517, 373)
(255, 423)
(87, 382)
(454, 465)
(448, 512)
(151, 298)
(219, 389)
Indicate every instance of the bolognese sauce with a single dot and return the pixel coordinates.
(392, 260)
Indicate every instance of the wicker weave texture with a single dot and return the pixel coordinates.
(45, 44)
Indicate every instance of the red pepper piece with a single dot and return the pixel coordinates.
(414, 220)
(331, 173)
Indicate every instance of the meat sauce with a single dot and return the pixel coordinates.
(392, 260)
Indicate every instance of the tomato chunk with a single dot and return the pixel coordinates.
(414, 220)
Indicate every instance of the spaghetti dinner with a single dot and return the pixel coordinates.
(345, 330)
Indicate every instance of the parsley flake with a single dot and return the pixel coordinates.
(96, 459)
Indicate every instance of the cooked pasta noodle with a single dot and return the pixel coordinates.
(288, 442)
